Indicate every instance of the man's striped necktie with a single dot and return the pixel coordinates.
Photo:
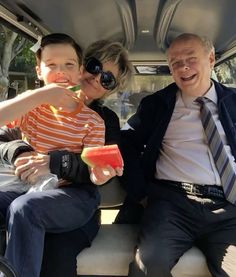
(220, 156)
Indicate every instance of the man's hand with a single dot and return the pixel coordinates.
(31, 165)
(100, 175)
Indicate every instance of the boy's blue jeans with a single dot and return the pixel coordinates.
(29, 216)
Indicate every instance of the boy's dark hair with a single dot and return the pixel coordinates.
(59, 38)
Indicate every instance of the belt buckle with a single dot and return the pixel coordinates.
(188, 187)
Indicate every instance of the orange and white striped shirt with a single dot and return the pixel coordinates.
(46, 129)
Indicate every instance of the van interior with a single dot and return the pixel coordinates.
(146, 29)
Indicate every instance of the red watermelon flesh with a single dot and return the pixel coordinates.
(102, 156)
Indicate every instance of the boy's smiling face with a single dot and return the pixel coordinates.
(59, 64)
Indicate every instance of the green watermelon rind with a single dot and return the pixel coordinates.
(75, 88)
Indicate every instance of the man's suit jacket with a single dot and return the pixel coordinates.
(141, 146)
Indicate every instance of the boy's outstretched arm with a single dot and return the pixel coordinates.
(13, 109)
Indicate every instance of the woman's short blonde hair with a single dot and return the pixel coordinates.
(105, 51)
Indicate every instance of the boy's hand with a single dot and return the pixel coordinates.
(58, 96)
(31, 165)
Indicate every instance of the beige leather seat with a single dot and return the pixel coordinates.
(113, 248)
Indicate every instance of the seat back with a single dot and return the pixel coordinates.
(112, 194)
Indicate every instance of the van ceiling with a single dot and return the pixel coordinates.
(145, 27)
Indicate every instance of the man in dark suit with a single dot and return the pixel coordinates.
(168, 156)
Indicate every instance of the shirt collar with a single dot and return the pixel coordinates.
(189, 100)
(211, 93)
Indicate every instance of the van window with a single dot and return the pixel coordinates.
(17, 63)
(125, 103)
(226, 72)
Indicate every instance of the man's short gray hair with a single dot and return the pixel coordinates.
(205, 41)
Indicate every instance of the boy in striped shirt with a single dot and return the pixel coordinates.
(64, 124)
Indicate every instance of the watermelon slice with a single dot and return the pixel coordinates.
(74, 88)
(12, 124)
(80, 95)
(102, 156)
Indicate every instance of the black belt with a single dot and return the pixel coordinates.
(197, 189)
